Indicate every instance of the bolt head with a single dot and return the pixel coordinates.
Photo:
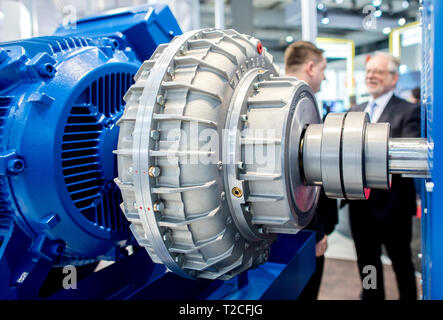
(16, 165)
(154, 171)
(220, 165)
(171, 71)
(155, 135)
(179, 259)
(108, 123)
(223, 195)
(47, 70)
(159, 206)
(167, 236)
(160, 99)
(244, 117)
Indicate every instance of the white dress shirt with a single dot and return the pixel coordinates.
(381, 103)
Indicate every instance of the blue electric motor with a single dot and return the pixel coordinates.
(60, 97)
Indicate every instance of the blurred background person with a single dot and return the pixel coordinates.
(305, 61)
(386, 217)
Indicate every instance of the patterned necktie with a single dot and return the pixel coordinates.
(371, 111)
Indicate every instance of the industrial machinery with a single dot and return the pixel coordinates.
(60, 97)
(217, 154)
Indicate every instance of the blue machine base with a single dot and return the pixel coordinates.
(289, 268)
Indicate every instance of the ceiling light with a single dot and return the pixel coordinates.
(405, 4)
(377, 3)
(289, 39)
(321, 6)
(401, 21)
(338, 1)
(377, 13)
(386, 30)
(325, 19)
(403, 68)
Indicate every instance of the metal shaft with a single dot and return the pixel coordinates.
(347, 155)
(409, 157)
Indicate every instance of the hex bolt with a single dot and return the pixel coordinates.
(130, 170)
(247, 208)
(179, 259)
(114, 44)
(182, 50)
(170, 71)
(16, 165)
(237, 236)
(223, 196)
(108, 123)
(160, 99)
(228, 220)
(159, 206)
(256, 86)
(220, 165)
(155, 135)
(154, 171)
(46, 70)
(241, 166)
(167, 236)
(244, 117)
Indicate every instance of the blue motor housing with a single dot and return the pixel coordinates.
(60, 97)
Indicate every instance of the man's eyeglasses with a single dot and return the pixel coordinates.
(379, 72)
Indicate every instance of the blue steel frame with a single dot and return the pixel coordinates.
(289, 268)
(432, 112)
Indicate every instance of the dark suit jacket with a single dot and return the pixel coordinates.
(325, 218)
(404, 118)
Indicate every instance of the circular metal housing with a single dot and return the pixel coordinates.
(225, 136)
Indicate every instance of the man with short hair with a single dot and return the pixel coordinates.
(386, 217)
(306, 62)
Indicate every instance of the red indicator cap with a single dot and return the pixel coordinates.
(259, 47)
